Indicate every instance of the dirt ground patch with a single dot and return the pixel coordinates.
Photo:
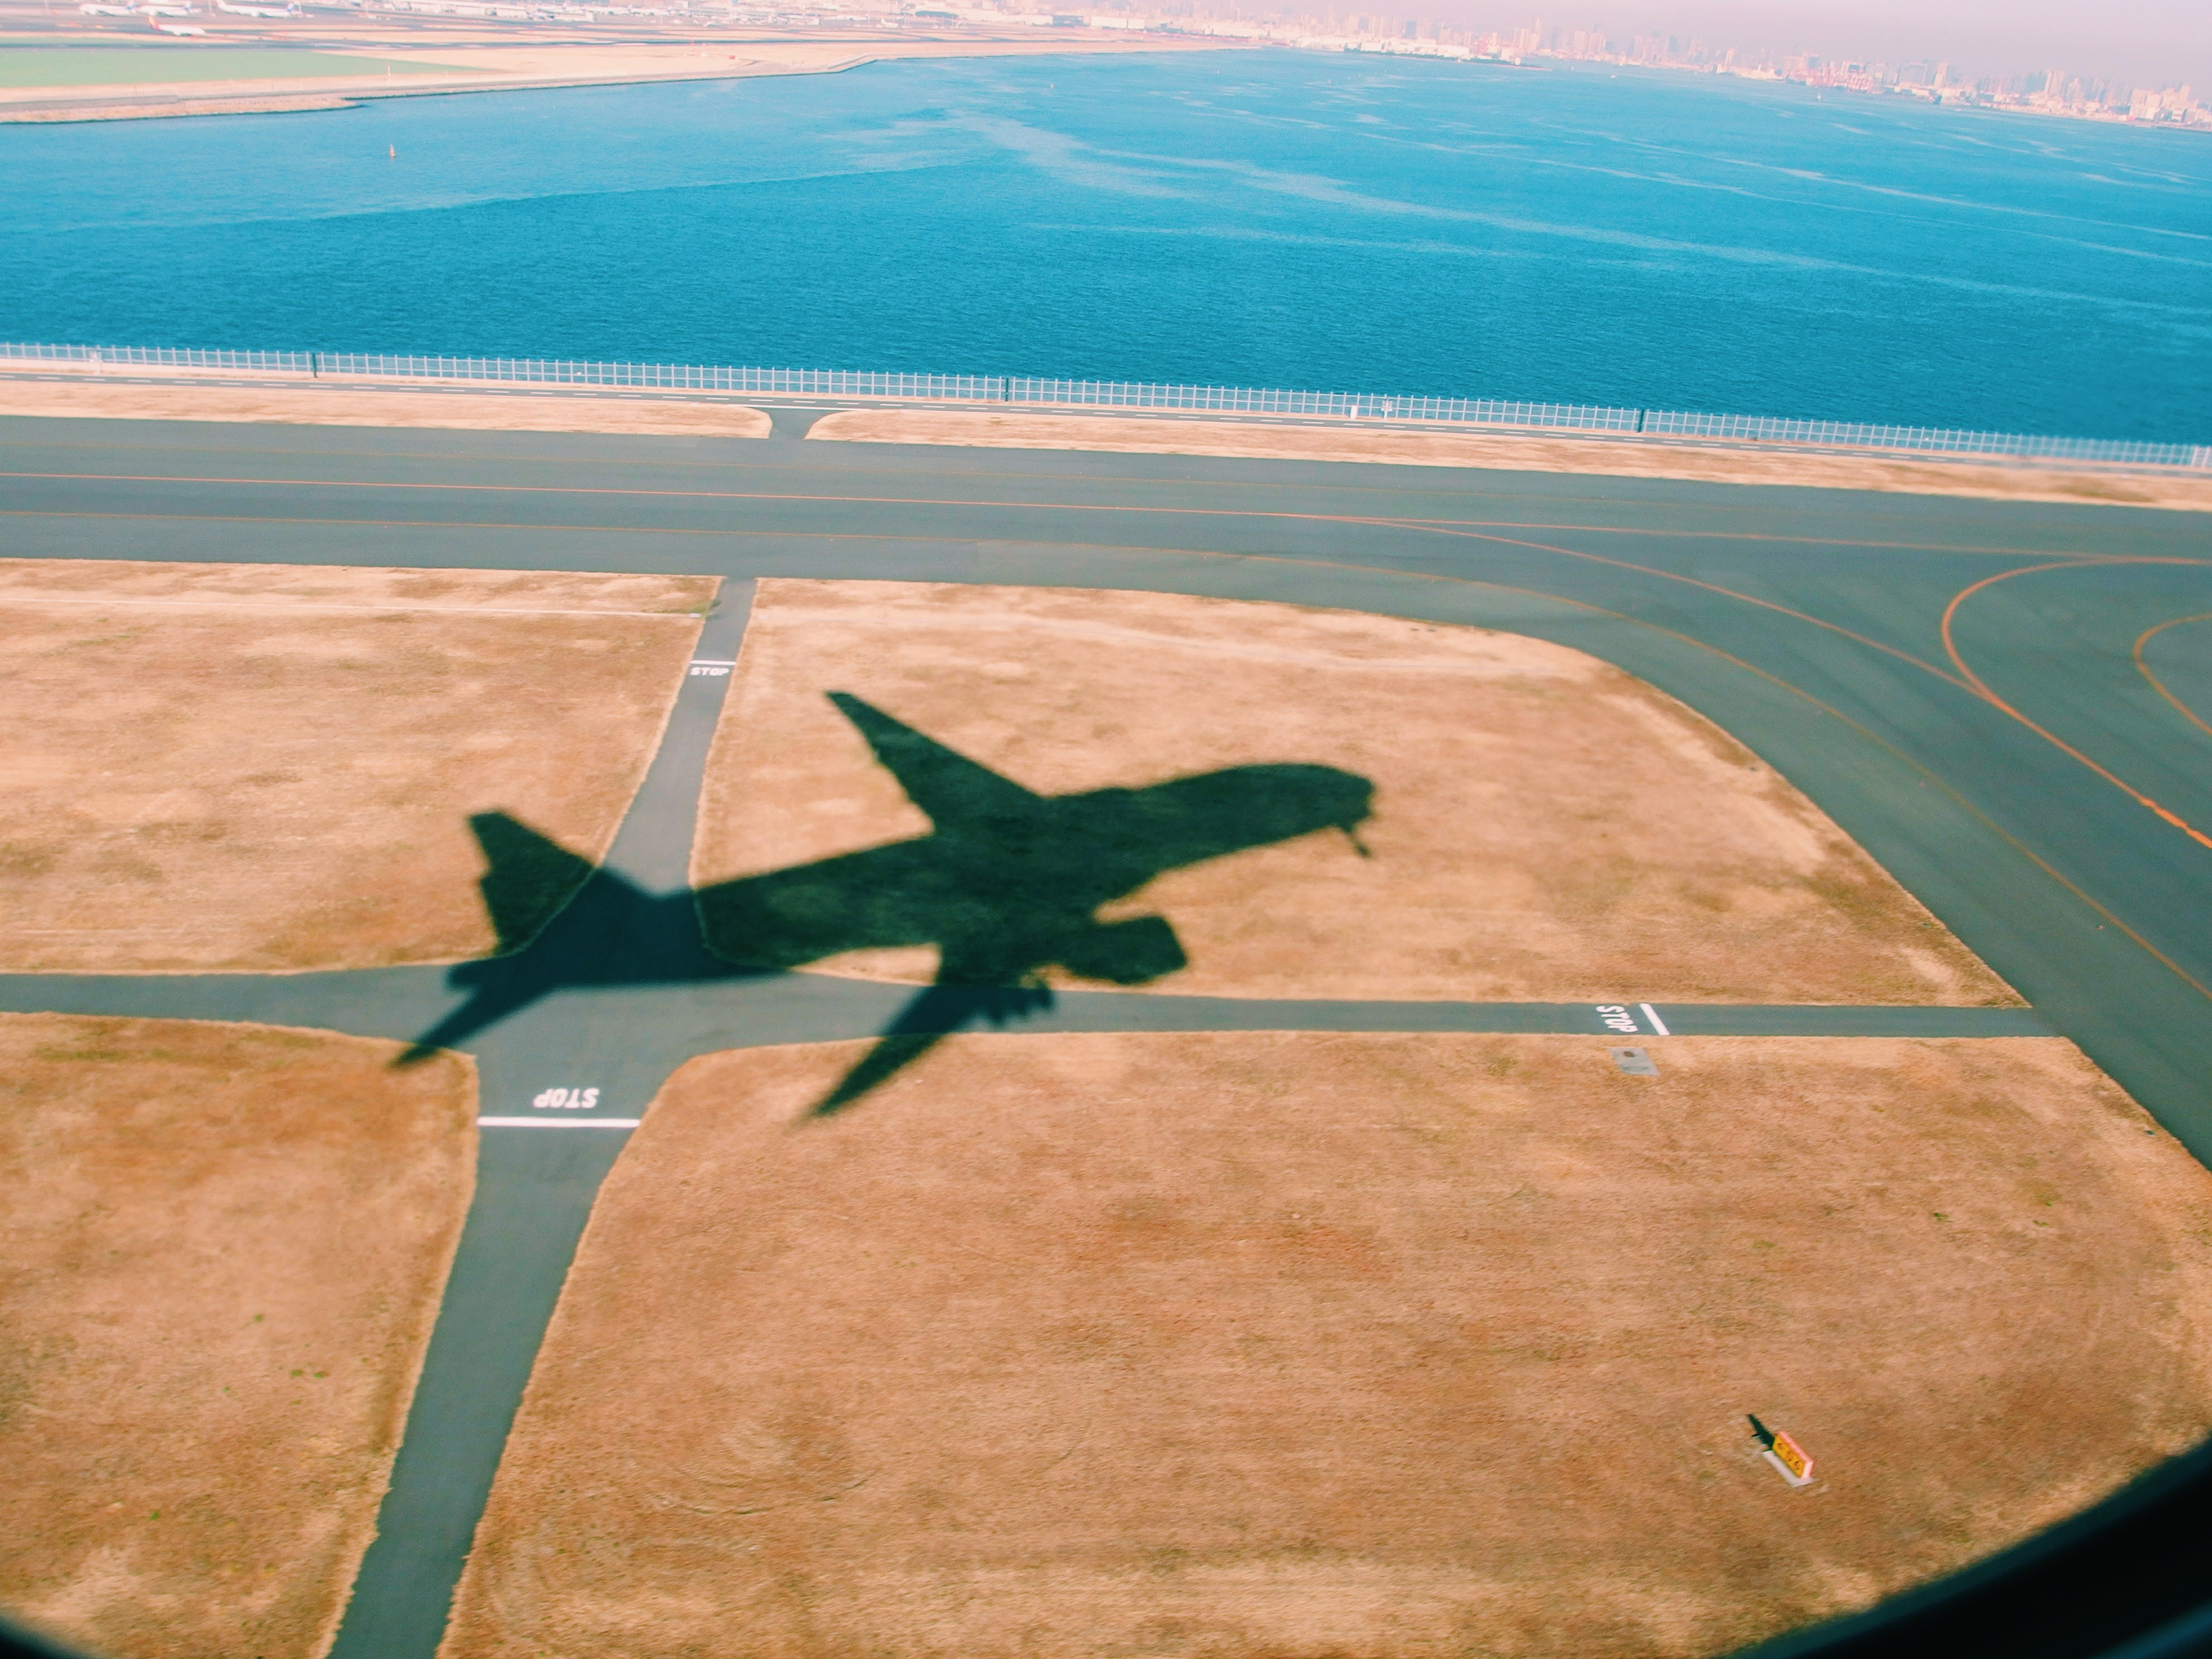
(220, 1261)
(336, 402)
(1415, 447)
(272, 767)
(1259, 1344)
(1522, 850)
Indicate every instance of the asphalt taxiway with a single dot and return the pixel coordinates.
(2006, 705)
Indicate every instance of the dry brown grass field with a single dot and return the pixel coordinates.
(339, 403)
(1242, 1345)
(220, 1259)
(1546, 828)
(272, 767)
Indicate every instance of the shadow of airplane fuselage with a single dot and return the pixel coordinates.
(1007, 885)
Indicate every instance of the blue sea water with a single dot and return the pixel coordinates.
(1248, 218)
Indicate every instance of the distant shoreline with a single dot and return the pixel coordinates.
(509, 68)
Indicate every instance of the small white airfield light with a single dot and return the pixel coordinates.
(1789, 1458)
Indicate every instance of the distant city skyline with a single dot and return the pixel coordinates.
(2051, 84)
(2154, 64)
(2142, 42)
(2150, 60)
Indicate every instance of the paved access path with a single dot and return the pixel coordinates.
(2007, 705)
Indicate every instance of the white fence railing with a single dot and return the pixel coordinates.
(1120, 394)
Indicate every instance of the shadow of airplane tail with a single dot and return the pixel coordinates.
(528, 880)
(933, 1015)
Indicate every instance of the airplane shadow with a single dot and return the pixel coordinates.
(1007, 885)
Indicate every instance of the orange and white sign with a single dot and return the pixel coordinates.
(1787, 1455)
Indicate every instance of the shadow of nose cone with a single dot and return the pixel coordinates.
(1350, 796)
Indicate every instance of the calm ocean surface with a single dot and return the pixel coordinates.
(1248, 218)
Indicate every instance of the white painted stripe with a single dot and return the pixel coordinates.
(1657, 1023)
(557, 1122)
(713, 662)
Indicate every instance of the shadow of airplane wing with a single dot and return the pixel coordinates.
(992, 979)
(491, 1002)
(934, 1014)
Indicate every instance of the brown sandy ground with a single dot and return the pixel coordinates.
(127, 111)
(1431, 446)
(341, 402)
(220, 1259)
(1546, 828)
(1270, 1344)
(272, 767)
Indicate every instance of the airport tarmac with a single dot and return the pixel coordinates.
(1995, 700)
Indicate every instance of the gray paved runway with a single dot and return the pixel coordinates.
(1955, 682)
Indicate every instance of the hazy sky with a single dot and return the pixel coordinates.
(2147, 42)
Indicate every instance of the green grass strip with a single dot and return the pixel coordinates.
(152, 64)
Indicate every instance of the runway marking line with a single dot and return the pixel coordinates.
(937, 501)
(1339, 487)
(1981, 689)
(558, 1122)
(2156, 684)
(1439, 529)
